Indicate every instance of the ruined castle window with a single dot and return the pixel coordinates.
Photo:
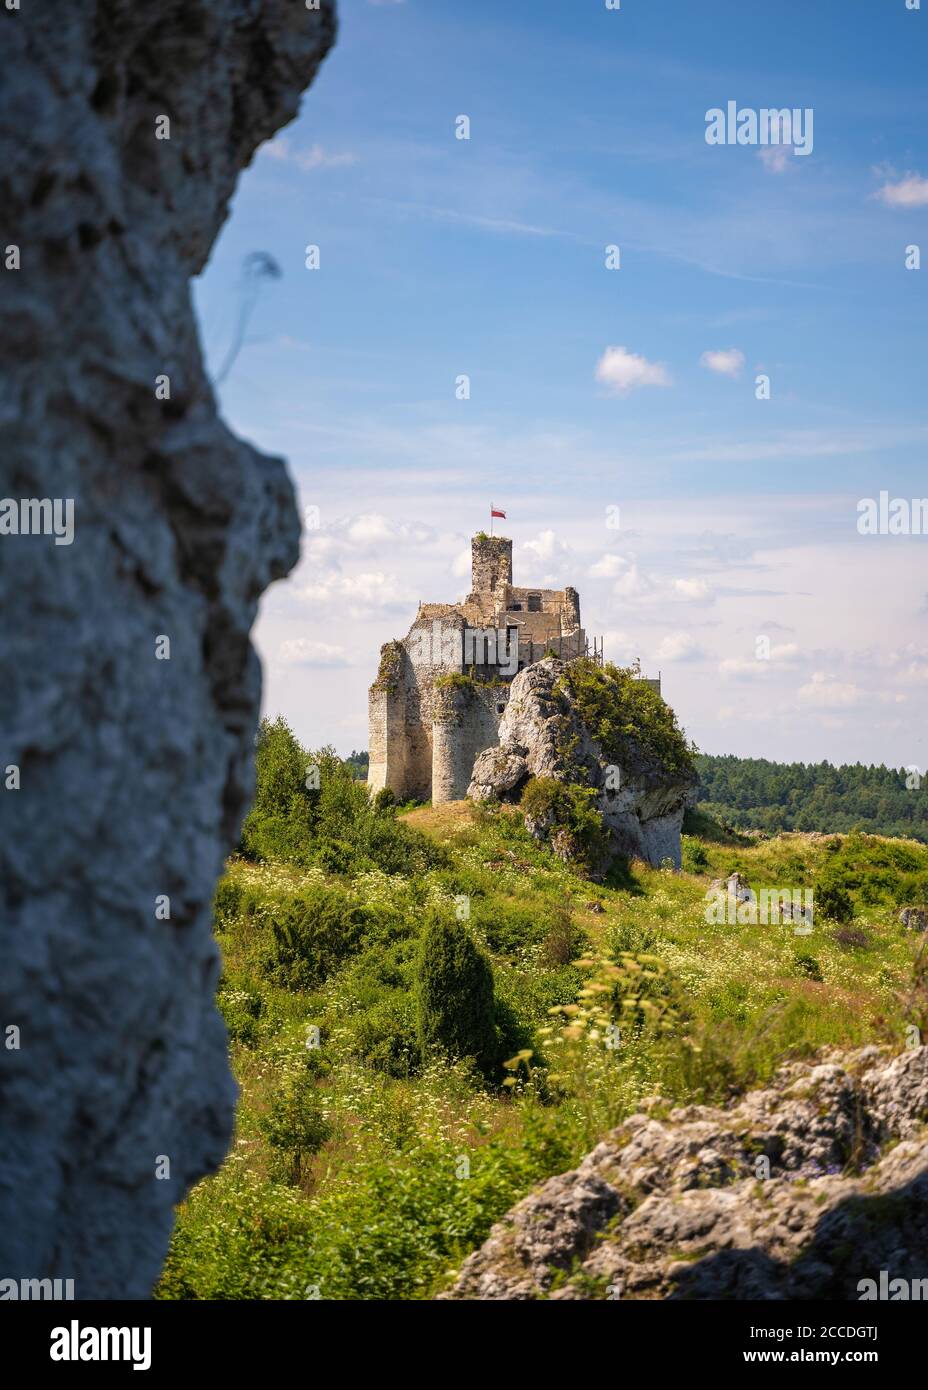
(514, 608)
(500, 709)
(534, 603)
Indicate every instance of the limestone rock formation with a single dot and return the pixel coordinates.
(676, 1204)
(126, 763)
(914, 918)
(644, 812)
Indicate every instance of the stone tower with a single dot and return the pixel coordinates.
(491, 565)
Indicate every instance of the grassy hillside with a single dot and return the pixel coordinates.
(368, 1165)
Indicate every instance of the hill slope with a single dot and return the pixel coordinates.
(365, 1167)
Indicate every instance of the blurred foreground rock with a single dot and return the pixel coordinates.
(133, 772)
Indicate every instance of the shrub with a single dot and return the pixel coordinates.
(832, 900)
(852, 938)
(808, 965)
(335, 825)
(242, 1010)
(541, 797)
(563, 940)
(569, 807)
(295, 1126)
(695, 857)
(454, 996)
(507, 926)
(226, 901)
(385, 1036)
(310, 935)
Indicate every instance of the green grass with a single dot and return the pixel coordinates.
(397, 1167)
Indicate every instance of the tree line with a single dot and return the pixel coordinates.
(756, 794)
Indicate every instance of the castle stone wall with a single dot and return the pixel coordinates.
(467, 720)
(425, 660)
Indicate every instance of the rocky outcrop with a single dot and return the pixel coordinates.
(642, 804)
(800, 1190)
(130, 691)
(914, 918)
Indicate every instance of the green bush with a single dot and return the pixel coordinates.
(507, 926)
(570, 807)
(454, 996)
(385, 1036)
(563, 940)
(334, 824)
(242, 1010)
(295, 1126)
(311, 934)
(226, 901)
(541, 797)
(810, 966)
(695, 857)
(832, 900)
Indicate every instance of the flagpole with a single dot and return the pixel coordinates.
(491, 518)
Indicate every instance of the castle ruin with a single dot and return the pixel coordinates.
(441, 692)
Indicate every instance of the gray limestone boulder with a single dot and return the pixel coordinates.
(131, 689)
(800, 1190)
(642, 804)
(498, 772)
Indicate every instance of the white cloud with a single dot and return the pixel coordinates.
(633, 584)
(362, 595)
(725, 361)
(461, 565)
(313, 158)
(825, 692)
(775, 158)
(909, 192)
(608, 567)
(367, 533)
(692, 590)
(367, 530)
(743, 668)
(620, 647)
(302, 651)
(756, 668)
(623, 371)
(547, 546)
(678, 646)
(911, 661)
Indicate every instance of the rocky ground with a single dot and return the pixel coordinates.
(797, 1191)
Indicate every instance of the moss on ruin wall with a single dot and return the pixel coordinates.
(391, 664)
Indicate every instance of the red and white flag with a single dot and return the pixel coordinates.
(494, 512)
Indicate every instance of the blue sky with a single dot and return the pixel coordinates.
(440, 257)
